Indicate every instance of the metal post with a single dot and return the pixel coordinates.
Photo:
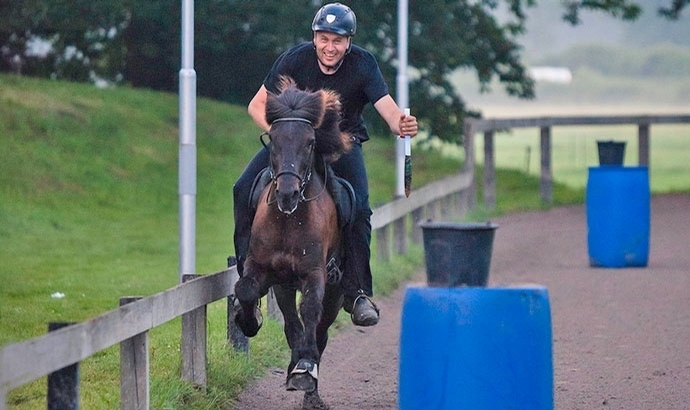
(187, 154)
(402, 93)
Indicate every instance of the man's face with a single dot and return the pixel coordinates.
(330, 48)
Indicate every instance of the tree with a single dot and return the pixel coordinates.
(239, 40)
(80, 32)
(138, 42)
(445, 36)
(624, 9)
(151, 40)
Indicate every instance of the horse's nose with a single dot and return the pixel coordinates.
(287, 199)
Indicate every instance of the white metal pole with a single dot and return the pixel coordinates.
(187, 149)
(402, 93)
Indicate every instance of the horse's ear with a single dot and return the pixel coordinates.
(331, 101)
(286, 82)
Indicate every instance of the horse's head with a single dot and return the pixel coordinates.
(304, 126)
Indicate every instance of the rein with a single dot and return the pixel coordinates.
(304, 179)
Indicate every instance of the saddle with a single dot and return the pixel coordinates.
(344, 197)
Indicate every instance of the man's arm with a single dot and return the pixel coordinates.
(398, 123)
(257, 108)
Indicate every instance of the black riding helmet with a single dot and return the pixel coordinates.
(335, 18)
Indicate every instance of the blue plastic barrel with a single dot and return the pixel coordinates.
(618, 216)
(476, 348)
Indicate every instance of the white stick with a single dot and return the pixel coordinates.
(408, 150)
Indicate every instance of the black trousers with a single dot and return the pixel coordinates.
(357, 272)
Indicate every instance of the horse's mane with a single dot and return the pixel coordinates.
(322, 108)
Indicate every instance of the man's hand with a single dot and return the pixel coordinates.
(408, 125)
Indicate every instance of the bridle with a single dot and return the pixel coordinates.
(303, 179)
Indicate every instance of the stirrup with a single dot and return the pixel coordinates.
(355, 320)
(363, 295)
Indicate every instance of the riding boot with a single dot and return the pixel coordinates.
(356, 281)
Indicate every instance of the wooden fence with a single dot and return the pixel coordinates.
(23, 362)
(490, 126)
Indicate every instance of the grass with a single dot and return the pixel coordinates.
(89, 210)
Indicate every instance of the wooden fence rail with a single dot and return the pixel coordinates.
(447, 198)
(490, 126)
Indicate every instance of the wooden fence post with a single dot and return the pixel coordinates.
(462, 200)
(400, 235)
(235, 336)
(468, 145)
(489, 171)
(63, 385)
(434, 209)
(272, 308)
(546, 179)
(134, 369)
(643, 144)
(417, 217)
(383, 246)
(193, 343)
(448, 208)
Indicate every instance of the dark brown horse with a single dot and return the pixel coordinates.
(295, 232)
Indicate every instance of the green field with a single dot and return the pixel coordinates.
(89, 213)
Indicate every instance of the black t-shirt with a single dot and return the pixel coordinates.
(358, 81)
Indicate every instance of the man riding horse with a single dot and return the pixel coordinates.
(331, 61)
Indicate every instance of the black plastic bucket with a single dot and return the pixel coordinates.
(611, 152)
(458, 254)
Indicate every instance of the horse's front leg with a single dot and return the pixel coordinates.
(304, 375)
(294, 331)
(248, 290)
(332, 302)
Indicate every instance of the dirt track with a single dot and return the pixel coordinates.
(621, 336)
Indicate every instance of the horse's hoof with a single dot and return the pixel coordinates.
(303, 377)
(301, 382)
(247, 290)
(312, 401)
(249, 326)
